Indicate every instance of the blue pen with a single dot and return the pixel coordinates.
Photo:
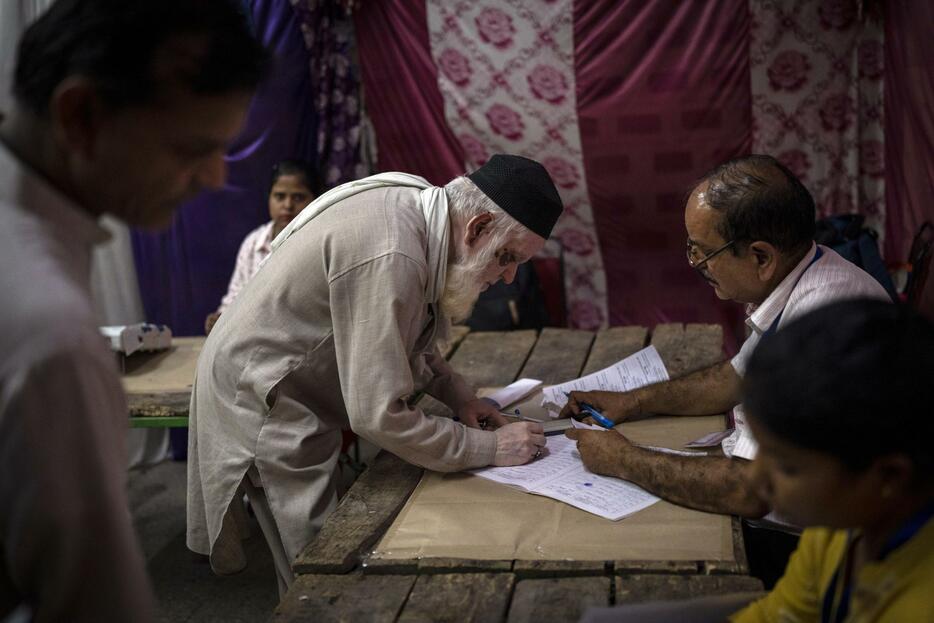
(595, 413)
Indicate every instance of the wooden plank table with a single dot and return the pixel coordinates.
(338, 581)
(158, 384)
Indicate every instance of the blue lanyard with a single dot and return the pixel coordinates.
(774, 326)
(832, 614)
(835, 610)
(907, 531)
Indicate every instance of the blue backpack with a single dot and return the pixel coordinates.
(845, 234)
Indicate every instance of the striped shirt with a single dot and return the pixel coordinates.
(831, 278)
(254, 249)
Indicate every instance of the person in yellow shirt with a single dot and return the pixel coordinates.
(840, 402)
(848, 452)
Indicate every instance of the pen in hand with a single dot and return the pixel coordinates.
(593, 412)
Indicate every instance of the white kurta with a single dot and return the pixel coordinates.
(334, 328)
(68, 548)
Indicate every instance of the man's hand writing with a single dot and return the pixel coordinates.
(518, 443)
(479, 413)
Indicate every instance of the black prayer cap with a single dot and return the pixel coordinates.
(523, 189)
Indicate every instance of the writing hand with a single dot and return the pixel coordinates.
(518, 443)
(479, 413)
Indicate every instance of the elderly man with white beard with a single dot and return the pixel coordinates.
(341, 325)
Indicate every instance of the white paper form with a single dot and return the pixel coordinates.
(513, 392)
(560, 474)
(642, 368)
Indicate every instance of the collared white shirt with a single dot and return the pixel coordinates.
(70, 551)
(254, 249)
(807, 287)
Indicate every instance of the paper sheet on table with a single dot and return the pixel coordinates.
(560, 474)
(513, 392)
(642, 368)
(461, 516)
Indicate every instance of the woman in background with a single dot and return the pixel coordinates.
(291, 189)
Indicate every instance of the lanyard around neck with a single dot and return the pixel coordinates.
(837, 599)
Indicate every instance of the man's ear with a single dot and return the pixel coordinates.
(477, 227)
(766, 257)
(894, 473)
(76, 113)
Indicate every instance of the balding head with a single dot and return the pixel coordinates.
(759, 199)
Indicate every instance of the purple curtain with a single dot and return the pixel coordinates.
(663, 95)
(183, 272)
(402, 95)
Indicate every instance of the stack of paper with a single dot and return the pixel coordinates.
(642, 368)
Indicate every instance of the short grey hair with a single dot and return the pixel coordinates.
(466, 201)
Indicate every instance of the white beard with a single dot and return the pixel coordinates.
(463, 284)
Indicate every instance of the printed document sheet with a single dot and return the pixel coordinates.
(560, 474)
(642, 368)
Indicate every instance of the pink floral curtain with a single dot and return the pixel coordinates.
(627, 102)
(508, 83)
(817, 99)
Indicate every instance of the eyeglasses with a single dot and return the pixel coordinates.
(698, 263)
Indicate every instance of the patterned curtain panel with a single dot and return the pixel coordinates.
(508, 83)
(626, 102)
(817, 99)
(663, 96)
(403, 100)
(909, 122)
(335, 78)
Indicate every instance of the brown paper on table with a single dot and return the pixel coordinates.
(162, 372)
(465, 516)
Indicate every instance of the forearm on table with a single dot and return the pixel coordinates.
(709, 391)
(433, 443)
(706, 483)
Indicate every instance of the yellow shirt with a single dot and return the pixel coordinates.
(897, 589)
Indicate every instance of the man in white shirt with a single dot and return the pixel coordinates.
(750, 225)
(121, 107)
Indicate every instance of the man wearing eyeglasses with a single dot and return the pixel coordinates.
(750, 225)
